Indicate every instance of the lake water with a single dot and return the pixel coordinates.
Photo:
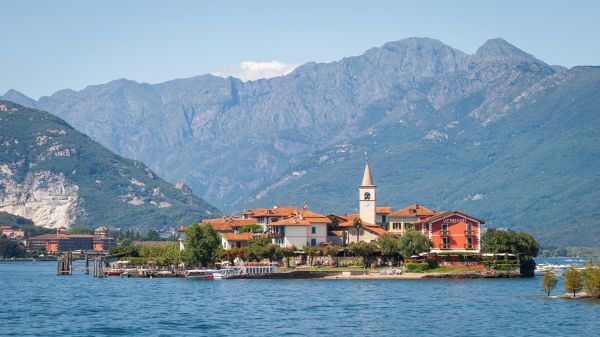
(37, 302)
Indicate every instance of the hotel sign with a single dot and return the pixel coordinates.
(453, 220)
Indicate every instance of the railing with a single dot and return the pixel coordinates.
(469, 233)
(445, 246)
(445, 233)
(469, 246)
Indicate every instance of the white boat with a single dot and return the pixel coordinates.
(206, 274)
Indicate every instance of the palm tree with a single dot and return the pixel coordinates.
(357, 222)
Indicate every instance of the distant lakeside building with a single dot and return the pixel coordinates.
(61, 241)
(287, 226)
(13, 234)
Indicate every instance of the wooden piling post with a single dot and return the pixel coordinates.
(86, 270)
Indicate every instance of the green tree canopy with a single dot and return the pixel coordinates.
(413, 243)
(389, 246)
(253, 228)
(573, 280)
(363, 249)
(202, 243)
(11, 248)
(153, 235)
(549, 281)
(508, 241)
(591, 279)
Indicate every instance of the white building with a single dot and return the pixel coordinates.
(305, 228)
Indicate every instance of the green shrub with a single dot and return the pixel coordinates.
(417, 267)
(432, 264)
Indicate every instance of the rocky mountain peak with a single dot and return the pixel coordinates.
(499, 48)
(19, 98)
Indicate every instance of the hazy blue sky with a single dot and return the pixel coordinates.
(51, 45)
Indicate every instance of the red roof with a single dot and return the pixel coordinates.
(314, 217)
(383, 210)
(294, 221)
(226, 224)
(367, 226)
(444, 214)
(276, 211)
(238, 237)
(413, 210)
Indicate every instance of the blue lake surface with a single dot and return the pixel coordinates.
(35, 301)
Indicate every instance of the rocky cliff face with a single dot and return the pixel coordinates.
(57, 177)
(46, 198)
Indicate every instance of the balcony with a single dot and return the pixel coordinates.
(470, 233)
(470, 246)
(445, 246)
(445, 233)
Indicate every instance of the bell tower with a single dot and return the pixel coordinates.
(367, 196)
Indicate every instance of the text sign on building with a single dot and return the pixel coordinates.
(453, 220)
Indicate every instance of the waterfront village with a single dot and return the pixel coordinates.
(297, 241)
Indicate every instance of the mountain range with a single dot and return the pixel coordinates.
(498, 133)
(58, 177)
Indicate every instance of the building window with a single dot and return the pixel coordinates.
(445, 240)
(238, 244)
(313, 242)
(469, 240)
(469, 227)
(383, 218)
(313, 230)
(444, 226)
(367, 196)
(397, 225)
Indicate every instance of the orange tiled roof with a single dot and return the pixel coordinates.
(294, 221)
(367, 226)
(377, 230)
(443, 214)
(383, 210)
(238, 237)
(337, 233)
(314, 217)
(226, 224)
(350, 217)
(413, 210)
(276, 211)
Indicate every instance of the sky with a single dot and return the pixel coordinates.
(47, 46)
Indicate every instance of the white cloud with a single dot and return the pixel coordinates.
(252, 70)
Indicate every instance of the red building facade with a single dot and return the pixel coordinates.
(452, 231)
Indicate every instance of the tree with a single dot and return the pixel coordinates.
(357, 223)
(253, 228)
(153, 235)
(202, 242)
(573, 280)
(364, 250)
(389, 246)
(413, 243)
(591, 279)
(519, 243)
(333, 225)
(332, 252)
(287, 253)
(507, 241)
(549, 281)
(10, 249)
(311, 252)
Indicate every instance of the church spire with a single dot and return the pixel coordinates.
(367, 180)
